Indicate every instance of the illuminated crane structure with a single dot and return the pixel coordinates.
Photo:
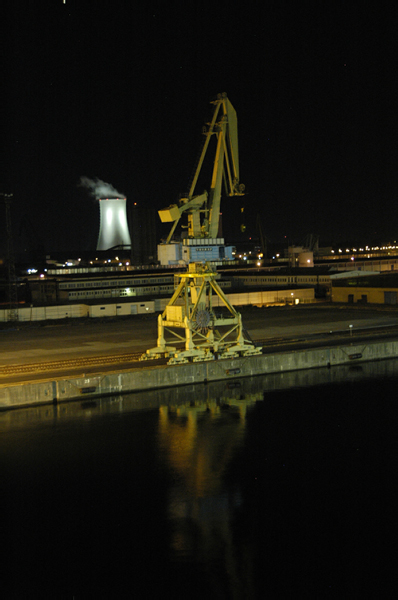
(199, 323)
(203, 210)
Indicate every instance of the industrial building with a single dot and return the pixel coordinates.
(363, 288)
(143, 228)
(317, 279)
(55, 290)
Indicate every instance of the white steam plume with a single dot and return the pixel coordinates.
(99, 189)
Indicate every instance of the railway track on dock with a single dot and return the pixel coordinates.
(88, 364)
(70, 364)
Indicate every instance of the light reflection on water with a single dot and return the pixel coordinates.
(198, 446)
(232, 489)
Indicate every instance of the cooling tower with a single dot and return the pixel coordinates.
(114, 229)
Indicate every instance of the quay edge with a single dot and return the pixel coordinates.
(83, 387)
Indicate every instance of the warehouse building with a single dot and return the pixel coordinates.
(363, 288)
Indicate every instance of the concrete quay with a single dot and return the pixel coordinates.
(120, 382)
(348, 351)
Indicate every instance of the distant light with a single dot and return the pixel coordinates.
(259, 264)
(41, 275)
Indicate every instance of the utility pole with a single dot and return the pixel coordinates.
(10, 260)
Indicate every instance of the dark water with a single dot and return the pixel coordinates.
(277, 487)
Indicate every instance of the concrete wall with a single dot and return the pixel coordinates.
(124, 308)
(191, 399)
(43, 313)
(269, 297)
(73, 388)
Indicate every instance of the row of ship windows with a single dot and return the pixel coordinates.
(137, 282)
(294, 279)
(116, 292)
(112, 283)
(120, 292)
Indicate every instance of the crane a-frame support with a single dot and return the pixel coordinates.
(199, 323)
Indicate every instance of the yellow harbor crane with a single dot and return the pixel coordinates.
(203, 210)
(199, 323)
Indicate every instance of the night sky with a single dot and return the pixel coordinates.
(103, 89)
